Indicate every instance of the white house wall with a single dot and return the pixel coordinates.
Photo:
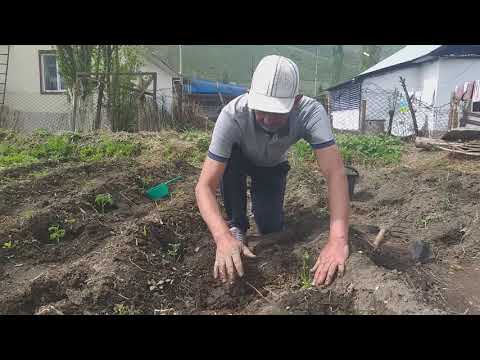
(23, 82)
(453, 72)
(37, 110)
(164, 85)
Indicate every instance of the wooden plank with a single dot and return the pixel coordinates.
(464, 134)
(460, 152)
(363, 114)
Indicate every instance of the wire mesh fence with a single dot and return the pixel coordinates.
(26, 112)
(376, 110)
(135, 106)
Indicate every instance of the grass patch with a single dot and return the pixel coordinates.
(108, 148)
(364, 149)
(16, 150)
(201, 141)
(370, 149)
(302, 151)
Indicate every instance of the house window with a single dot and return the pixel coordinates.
(476, 106)
(50, 78)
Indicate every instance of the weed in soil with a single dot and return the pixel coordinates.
(56, 233)
(103, 200)
(305, 273)
(121, 309)
(8, 245)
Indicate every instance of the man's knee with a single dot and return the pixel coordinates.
(267, 221)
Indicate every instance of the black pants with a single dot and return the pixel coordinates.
(267, 193)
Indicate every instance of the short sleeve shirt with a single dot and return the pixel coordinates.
(236, 125)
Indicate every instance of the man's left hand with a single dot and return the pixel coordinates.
(331, 259)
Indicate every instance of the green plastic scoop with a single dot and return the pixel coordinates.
(160, 191)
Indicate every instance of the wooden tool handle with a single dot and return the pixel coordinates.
(379, 238)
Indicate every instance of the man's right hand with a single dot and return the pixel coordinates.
(228, 258)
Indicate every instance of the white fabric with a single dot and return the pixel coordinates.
(476, 91)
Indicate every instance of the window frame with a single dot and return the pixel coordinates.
(471, 108)
(41, 54)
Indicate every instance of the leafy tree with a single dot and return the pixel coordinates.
(105, 62)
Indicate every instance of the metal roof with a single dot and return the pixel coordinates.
(407, 54)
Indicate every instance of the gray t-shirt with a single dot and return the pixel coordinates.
(236, 124)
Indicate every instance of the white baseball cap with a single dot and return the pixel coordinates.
(275, 84)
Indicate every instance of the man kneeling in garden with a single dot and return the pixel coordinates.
(251, 138)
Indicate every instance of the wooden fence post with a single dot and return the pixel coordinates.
(75, 105)
(155, 104)
(410, 106)
(363, 116)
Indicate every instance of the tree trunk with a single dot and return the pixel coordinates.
(98, 114)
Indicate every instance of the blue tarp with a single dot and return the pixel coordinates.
(197, 86)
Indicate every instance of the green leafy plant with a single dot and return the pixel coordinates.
(56, 233)
(370, 149)
(8, 245)
(41, 132)
(425, 220)
(305, 274)
(121, 309)
(55, 147)
(25, 150)
(302, 151)
(174, 250)
(144, 182)
(107, 148)
(103, 200)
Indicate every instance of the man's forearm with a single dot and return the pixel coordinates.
(210, 211)
(339, 205)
